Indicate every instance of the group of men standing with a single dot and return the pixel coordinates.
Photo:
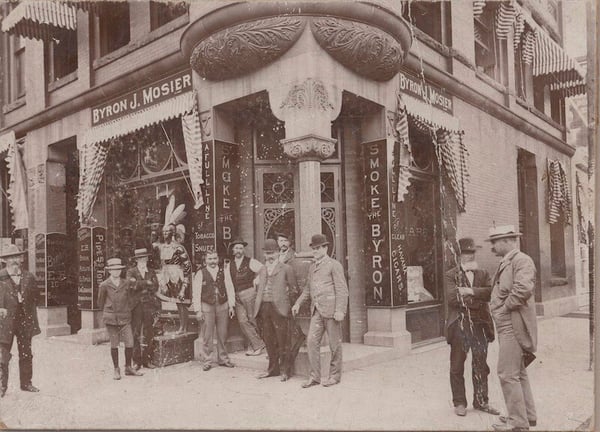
(474, 299)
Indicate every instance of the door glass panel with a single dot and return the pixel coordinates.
(278, 188)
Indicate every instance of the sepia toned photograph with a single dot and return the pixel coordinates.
(298, 215)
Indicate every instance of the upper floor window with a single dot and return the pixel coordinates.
(163, 12)
(61, 57)
(431, 17)
(112, 27)
(490, 52)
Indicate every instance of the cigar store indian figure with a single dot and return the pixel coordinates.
(174, 274)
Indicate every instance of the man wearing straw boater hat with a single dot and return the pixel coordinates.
(513, 309)
(114, 300)
(18, 317)
(469, 327)
(144, 308)
(327, 288)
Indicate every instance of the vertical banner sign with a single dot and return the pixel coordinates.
(204, 228)
(397, 274)
(377, 253)
(84, 290)
(227, 192)
(56, 247)
(98, 261)
(40, 266)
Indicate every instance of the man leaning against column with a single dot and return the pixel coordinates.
(328, 291)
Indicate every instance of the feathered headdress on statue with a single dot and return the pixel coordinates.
(174, 215)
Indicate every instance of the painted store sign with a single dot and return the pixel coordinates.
(426, 92)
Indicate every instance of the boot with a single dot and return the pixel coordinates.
(117, 374)
(131, 371)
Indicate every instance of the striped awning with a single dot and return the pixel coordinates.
(40, 19)
(426, 113)
(506, 13)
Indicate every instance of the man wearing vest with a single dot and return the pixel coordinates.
(214, 302)
(276, 281)
(328, 291)
(243, 271)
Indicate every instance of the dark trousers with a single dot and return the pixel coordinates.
(25, 354)
(275, 334)
(142, 323)
(295, 340)
(461, 340)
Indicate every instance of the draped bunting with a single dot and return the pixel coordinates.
(529, 38)
(519, 27)
(559, 194)
(452, 152)
(17, 180)
(40, 19)
(403, 149)
(95, 145)
(581, 224)
(505, 18)
(478, 6)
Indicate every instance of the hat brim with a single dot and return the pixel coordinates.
(119, 267)
(243, 243)
(142, 255)
(501, 236)
(318, 244)
(12, 254)
(271, 250)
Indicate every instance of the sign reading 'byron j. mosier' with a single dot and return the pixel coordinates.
(377, 241)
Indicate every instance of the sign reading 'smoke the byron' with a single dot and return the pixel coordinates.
(142, 98)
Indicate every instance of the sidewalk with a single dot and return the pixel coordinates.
(410, 393)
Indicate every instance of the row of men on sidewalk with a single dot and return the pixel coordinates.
(474, 300)
(260, 295)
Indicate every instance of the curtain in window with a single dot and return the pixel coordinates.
(559, 194)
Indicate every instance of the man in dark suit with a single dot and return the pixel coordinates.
(18, 317)
(272, 307)
(469, 327)
(513, 309)
(144, 307)
(328, 291)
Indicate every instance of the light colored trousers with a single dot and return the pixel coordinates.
(215, 316)
(318, 326)
(244, 311)
(513, 377)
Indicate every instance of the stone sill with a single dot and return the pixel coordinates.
(61, 82)
(14, 105)
(490, 81)
(532, 109)
(139, 43)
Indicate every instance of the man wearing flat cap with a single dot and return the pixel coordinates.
(513, 309)
(328, 291)
(243, 271)
(469, 327)
(18, 317)
(144, 307)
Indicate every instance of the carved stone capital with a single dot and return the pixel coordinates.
(309, 147)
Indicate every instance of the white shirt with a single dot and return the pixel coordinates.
(270, 267)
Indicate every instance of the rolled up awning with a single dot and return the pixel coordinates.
(430, 115)
(40, 19)
(17, 181)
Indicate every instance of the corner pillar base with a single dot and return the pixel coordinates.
(53, 321)
(387, 327)
(92, 331)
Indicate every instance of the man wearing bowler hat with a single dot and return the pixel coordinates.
(243, 271)
(326, 286)
(144, 307)
(276, 281)
(18, 317)
(469, 327)
(513, 309)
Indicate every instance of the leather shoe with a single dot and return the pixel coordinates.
(30, 388)
(284, 377)
(460, 410)
(507, 427)
(488, 409)
(310, 383)
(2, 392)
(149, 366)
(266, 375)
(117, 374)
(255, 352)
(132, 372)
(504, 419)
(330, 382)
(228, 364)
(206, 367)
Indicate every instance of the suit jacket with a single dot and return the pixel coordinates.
(144, 288)
(9, 301)
(477, 304)
(283, 280)
(513, 288)
(327, 288)
(114, 302)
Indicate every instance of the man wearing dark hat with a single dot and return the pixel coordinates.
(243, 271)
(469, 327)
(513, 309)
(326, 286)
(272, 307)
(144, 307)
(18, 317)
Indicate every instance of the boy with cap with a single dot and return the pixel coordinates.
(114, 300)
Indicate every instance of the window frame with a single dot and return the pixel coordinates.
(497, 48)
(103, 46)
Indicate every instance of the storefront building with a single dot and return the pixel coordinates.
(392, 128)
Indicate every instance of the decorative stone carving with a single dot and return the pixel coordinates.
(363, 48)
(311, 94)
(245, 47)
(309, 147)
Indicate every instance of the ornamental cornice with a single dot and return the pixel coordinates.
(309, 147)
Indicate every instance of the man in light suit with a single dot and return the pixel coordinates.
(513, 309)
(275, 281)
(327, 288)
(469, 327)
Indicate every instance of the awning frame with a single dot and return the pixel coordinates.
(41, 19)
